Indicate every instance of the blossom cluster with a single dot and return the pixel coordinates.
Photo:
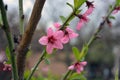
(56, 39)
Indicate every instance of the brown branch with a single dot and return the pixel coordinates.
(27, 37)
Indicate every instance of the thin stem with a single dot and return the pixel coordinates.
(66, 75)
(6, 28)
(67, 20)
(92, 39)
(35, 67)
(99, 28)
(21, 17)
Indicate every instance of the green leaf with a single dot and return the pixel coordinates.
(78, 3)
(76, 53)
(117, 2)
(77, 76)
(116, 75)
(111, 17)
(8, 55)
(70, 5)
(63, 18)
(84, 51)
(0, 20)
(47, 61)
(29, 53)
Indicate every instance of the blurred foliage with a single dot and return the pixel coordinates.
(100, 53)
(50, 76)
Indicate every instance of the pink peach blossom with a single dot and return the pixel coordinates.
(52, 40)
(68, 33)
(79, 66)
(84, 18)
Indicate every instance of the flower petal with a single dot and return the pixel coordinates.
(73, 35)
(65, 39)
(69, 30)
(58, 34)
(49, 48)
(49, 32)
(83, 63)
(57, 25)
(43, 40)
(58, 44)
(79, 70)
(80, 24)
(89, 11)
(71, 67)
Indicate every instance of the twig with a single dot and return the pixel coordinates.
(27, 37)
(93, 38)
(21, 17)
(35, 67)
(6, 28)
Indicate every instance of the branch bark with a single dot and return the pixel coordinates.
(27, 37)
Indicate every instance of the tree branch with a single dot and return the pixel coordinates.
(7, 31)
(27, 37)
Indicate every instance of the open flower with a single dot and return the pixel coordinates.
(84, 18)
(90, 7)
(68, 33)
(5, 67)
(79, 66)
(52, 40)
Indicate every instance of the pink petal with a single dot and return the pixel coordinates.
(69, 30)
(71, 67)
(115, 11)
(43, 40)
(65, 39)
(49, 48)
(57, 25)
(72, 34)
(80, 24)
(78, 71)
(49, 32)
(58, 44)
(83, 63)
(81, 68)
(58, 34)
(89, 11)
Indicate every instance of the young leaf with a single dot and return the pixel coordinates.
(63, 18)
(77, 76)
(0, 20)
(112, 17)
(70, 5)
(47, 61)
(117, 2)
(83, 52)
(8, 55)
(116, 75)
(78, 3)
(76, 53)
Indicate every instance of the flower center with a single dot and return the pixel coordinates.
(51, 39)
(65, 33)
